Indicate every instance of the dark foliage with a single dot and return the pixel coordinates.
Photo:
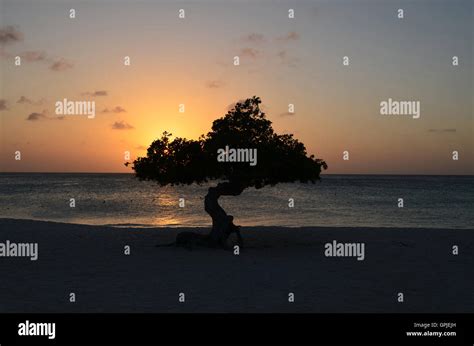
(281, 158)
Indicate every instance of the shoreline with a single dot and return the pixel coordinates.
(262, 228)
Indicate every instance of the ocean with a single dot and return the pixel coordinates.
(337, 200)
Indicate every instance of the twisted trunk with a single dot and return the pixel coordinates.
(222, 224)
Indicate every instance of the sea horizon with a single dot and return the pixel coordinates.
(321, 175)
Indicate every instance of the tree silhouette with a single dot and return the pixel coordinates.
(281, 158)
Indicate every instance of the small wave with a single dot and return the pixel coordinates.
(141, 225)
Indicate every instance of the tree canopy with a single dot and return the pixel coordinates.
(281, 158)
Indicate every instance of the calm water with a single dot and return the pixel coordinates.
(338, 200)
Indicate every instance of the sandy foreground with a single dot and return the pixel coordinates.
(90, 261)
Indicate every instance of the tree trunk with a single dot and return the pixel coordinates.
(221, 222)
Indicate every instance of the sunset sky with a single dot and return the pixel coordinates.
(190, 61)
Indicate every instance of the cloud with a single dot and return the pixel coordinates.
(33, 56)
(60, 65)
(286, 59)
(9, 34)
(116, 109)
(141, 147)
(250, 52)
(254, 38)
(3, 105)
(287, 114)
(96, 93)
(121, 125)
(442, 130)
(215, 84)
(36, 116)
(291, 36)
(26, 100)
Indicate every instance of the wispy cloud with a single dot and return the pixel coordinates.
(254, 38)
(287, 114)
(96, 93)
(250, 52)
(122, 125)
(215, 84)
(3, 105)
(35, 116)
(286, 59)
(33, 56)
(291, 36)
(116, 109)
(442, 130)
(61, 65)
(26, 100)
(10, 34)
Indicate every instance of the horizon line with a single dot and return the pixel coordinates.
(378, 174)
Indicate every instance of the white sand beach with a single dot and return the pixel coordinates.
(90, 261)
